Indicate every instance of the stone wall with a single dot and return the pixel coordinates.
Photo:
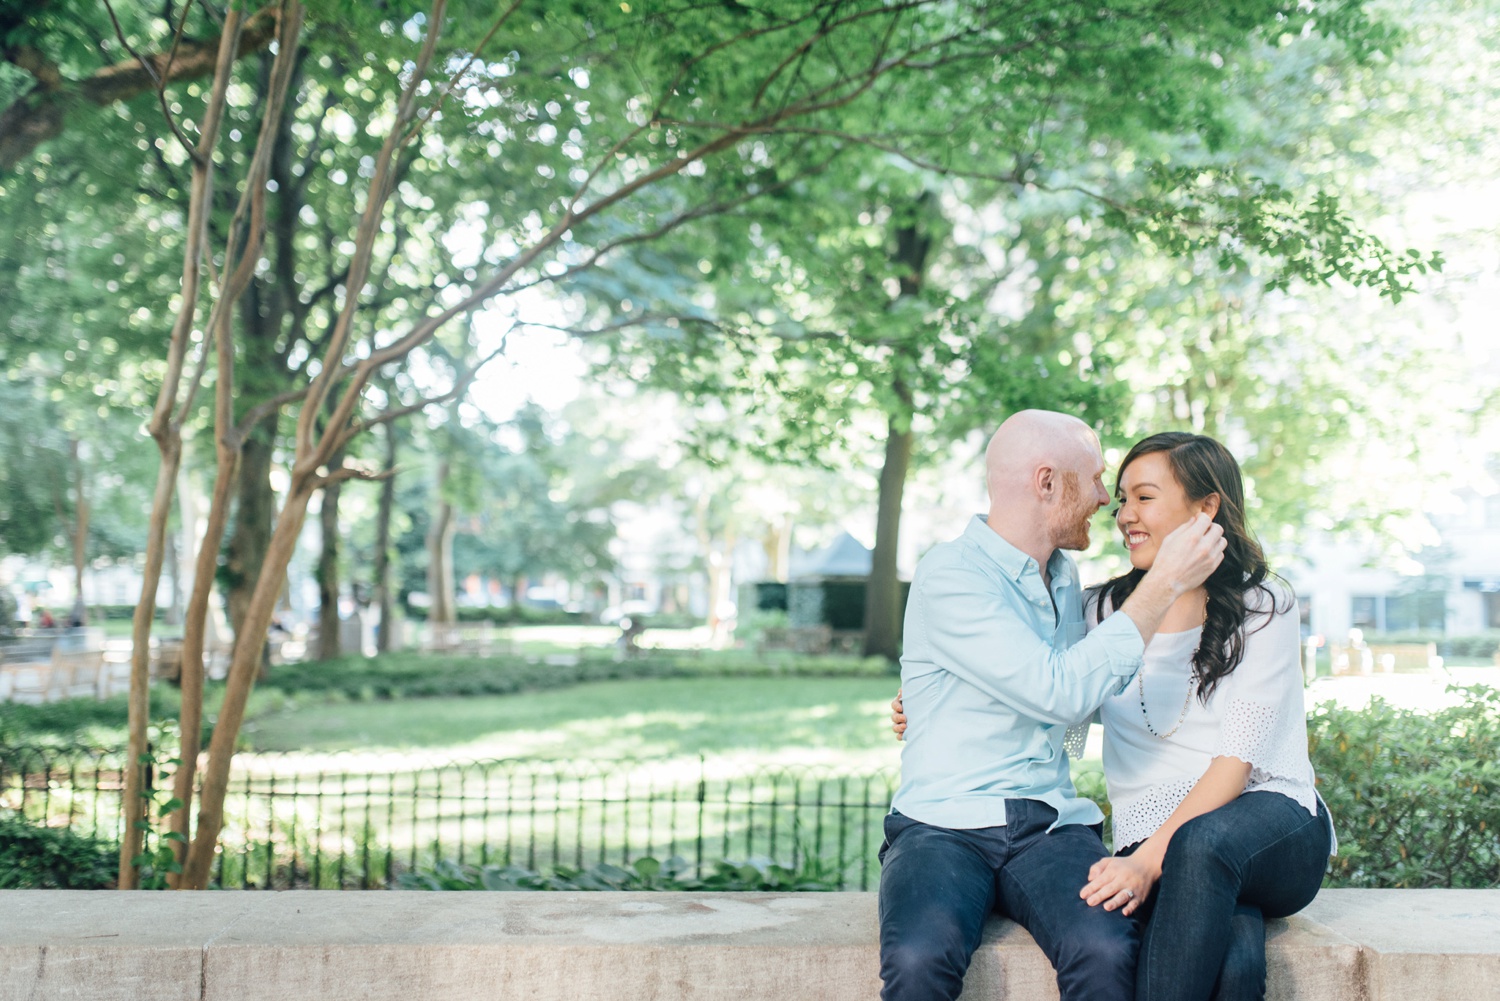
(1350, 945)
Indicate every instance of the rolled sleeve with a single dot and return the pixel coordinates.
(1122, 643)
(975, 634)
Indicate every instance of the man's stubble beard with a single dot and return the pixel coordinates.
(1070, 525)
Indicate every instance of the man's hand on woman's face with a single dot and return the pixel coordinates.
(1191, 553)
(898, 718)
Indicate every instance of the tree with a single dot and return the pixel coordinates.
(875, 307)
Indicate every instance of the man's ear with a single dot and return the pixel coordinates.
(1044, 481)
(1210, 506)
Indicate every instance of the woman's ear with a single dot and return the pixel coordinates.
(1210, 506)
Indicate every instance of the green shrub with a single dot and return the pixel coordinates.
(1415, 798)
(82, 721)
(120, 613)
(411, 674)
(65, 722)
(510, 615)
(676, 873)
(33, 857)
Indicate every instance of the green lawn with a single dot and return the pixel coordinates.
(780, 719)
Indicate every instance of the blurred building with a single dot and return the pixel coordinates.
(1451, 588)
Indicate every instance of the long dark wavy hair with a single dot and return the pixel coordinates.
(1203, 466)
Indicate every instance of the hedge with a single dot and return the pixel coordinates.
(33, 857)
(1415, 798)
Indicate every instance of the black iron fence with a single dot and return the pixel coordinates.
(358, 821)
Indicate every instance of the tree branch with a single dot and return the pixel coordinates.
(459, 388)
(345, 473)
(158, 80)
(41, 114)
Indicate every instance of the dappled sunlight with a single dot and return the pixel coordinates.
(631, 735)
(739, 722)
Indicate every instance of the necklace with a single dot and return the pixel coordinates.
(1140, 684)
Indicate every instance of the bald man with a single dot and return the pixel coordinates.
(996, 667)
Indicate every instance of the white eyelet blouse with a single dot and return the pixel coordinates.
(1255, 714)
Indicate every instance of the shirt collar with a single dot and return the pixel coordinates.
(1011, 560)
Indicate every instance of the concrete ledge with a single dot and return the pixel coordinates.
(1350, 945)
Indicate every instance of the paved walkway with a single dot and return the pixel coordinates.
(1425, 692)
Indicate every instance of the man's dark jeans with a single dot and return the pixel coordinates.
(1261, 856)
(938, 885)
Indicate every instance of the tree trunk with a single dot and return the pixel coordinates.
(133, 808)
(777, 544)
(170, 411)
(244, 667)
(883, 591)
(328, 567)
(440, 584)
(174, 559)
(720, 580)
(382, 569)
(79, 616)
(252, 522)
(216, 634)
(194, 643)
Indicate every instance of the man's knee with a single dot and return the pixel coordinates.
(1097, 958)
(922, 964)
(1104, 947)
(1109, 945)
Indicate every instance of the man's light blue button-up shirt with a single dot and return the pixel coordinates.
(995, 670)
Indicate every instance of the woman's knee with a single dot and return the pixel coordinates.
(1203, 844)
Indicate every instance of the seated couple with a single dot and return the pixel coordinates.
(1190, 661)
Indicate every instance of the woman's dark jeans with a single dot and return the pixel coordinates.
(937, 887)
(1261, 856)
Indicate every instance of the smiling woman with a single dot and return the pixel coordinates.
(1217, 824)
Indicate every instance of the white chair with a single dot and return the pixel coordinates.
(76, 673)
(114, 676)
(30, 683)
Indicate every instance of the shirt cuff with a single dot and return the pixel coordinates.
(1122, 643)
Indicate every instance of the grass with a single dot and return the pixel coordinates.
(662, 703)
(778, 719)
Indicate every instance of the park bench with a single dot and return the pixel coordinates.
(1383, 657)
(25, 650)
(66, 674)
(1370, 945)
(814, 640)
(26, 681)
(1407, 657)
(480, 639)
(75, 673)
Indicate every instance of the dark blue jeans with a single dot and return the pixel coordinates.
(1261, 856)
(938, 885)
